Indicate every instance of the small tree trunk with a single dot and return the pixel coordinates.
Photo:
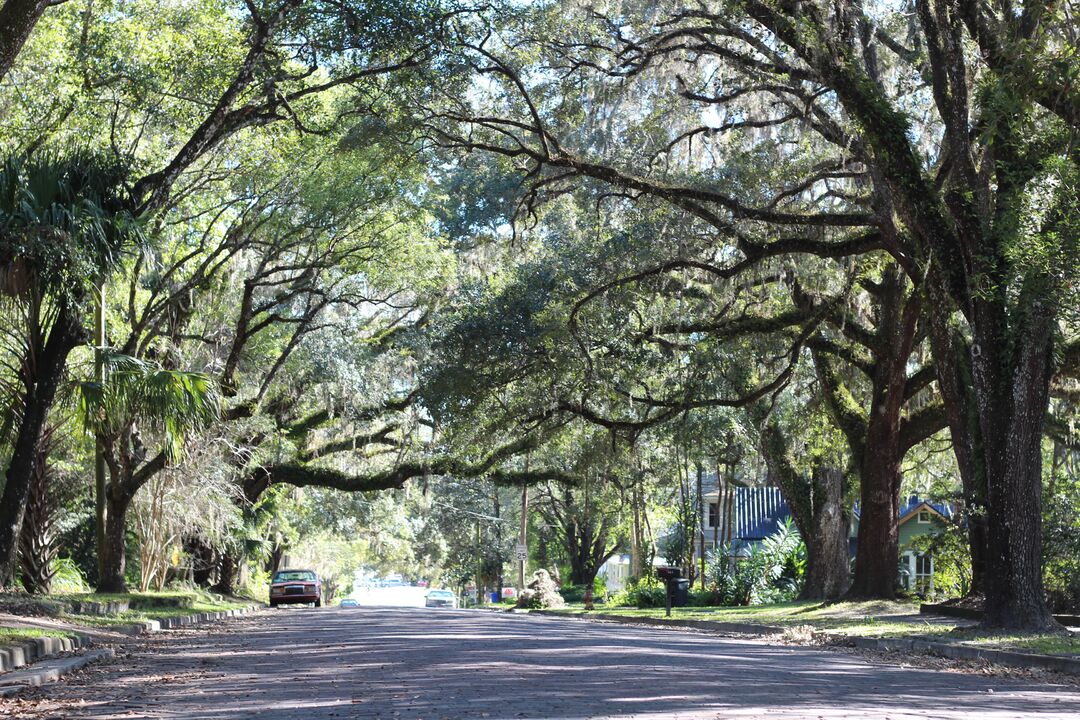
(955, 384)
(44, 369)
(273, 560)
(227, 569)
(37, 547)
(701, 524)
(202, 560)
(113, 552)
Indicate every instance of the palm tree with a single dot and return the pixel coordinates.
(63, 225)
(140, 397)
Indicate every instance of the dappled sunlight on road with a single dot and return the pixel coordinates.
(432, 664)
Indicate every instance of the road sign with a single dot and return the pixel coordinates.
(521, 552)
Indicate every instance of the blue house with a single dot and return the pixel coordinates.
(755, 513)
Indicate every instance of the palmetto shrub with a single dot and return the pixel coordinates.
(771, 572)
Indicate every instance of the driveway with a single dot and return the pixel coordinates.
(403, 663)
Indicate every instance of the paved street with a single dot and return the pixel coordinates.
(414, 663)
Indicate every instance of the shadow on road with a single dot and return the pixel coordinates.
(414, 663)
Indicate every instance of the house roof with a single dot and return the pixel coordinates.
(759, 512)
(912, 503)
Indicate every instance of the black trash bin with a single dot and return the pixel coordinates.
(680, 592)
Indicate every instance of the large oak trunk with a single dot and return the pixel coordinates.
(817, 508)
(877, 555)
(1013, 418)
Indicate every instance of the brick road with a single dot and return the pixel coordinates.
(411, 663)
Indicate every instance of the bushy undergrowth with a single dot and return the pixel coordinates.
(67, 577)
(644, 593)
(576, 593)
(772, 572)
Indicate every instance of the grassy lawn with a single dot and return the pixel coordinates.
(14, 636)
(151, 606)
(876, 618)
(1040, 644)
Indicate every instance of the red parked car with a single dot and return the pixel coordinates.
(295, 586)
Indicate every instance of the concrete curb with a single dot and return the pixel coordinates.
(171, 623)
(16, 656)
(49, 671)
(953, 651)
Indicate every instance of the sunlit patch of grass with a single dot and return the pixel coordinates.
(1038, 643)
(14, 636)
(152, 606)
(874, 618)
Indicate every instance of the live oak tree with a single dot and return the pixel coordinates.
(944, 138)
(258, 77)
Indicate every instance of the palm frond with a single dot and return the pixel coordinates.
(175, 403)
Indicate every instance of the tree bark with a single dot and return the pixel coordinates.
(113, 552)
(44, 370)
(817, 508)
(955, 384)
(877, 555)
(828, 574)
(227, 569)
(1014, 420)
(876, 438)
(202, 560)
(37, 546)
(17, 21)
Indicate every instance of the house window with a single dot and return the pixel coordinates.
(923, 518)
(714, 514)
(924, 574)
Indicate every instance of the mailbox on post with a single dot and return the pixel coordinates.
(671, 576)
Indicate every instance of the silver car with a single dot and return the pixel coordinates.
(440, 599)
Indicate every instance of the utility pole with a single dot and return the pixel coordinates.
(99, 449)
(479, 590)
(523, 539)
(701, 523)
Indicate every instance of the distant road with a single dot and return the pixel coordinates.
(391, 597)
(411, 664)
